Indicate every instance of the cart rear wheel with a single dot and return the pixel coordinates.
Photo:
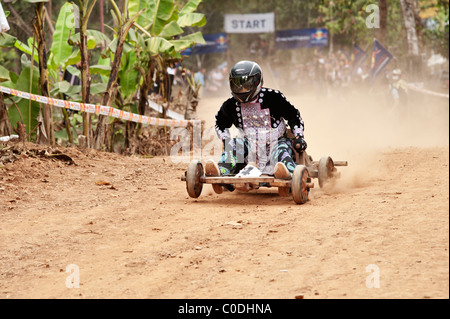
(299, 188)
(193, 185)
(326, 170)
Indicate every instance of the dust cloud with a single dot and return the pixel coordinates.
(357, 125)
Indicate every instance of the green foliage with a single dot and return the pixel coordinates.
(163, 20)
(437, 32)
(65, 26)
(24, 111)
(4, 74)
(167, 27)
(129, 75)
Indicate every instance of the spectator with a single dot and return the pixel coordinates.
(199, 78)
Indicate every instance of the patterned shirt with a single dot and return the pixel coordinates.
(264, 116)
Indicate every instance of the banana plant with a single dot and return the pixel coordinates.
(64, 52)
(124, 24)
(161, 32)
(163, 22)
(21, 110)
(39, 54)
(46, 133)
(85, 9)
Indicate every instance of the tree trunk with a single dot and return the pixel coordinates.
(102, 127)
(5, 125)
(85, 74)
(102, 17)
(383, 5)
(67, 125)
(410, 26)
(414, 66)
(101, 132)
(43, 72)
(144, 88)
(419, 24)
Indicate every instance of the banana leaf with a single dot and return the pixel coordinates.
(129, 75)
(104, 70)
(134, 6)
(159, 45)
(190, 6)
(23, 84)
(60, 48)
(171, 29)
(74, 58)
(98, 88)
(107, 62)
(7, 40)
(27, 49)
(4, 74)
(156, 16)
(65, 88)
(192, 20)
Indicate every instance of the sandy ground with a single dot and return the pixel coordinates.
(128, 228)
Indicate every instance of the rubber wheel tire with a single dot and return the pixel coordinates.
(299, 190)
(326, 169)
(193, 174)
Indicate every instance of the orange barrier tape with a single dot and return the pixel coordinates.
(99, 110)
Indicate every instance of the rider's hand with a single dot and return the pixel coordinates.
(300, 143)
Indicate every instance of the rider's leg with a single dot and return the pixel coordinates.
(282, 153)
(234, 157)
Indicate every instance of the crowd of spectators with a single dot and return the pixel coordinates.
(326, 75)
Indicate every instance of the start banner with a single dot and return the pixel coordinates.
(250, 23)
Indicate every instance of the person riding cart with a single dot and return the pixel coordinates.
(260, 115)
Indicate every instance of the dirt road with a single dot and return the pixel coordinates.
(127, 225)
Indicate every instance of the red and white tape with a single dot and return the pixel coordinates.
(99, 110)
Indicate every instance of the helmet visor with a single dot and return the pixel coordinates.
(244, 84)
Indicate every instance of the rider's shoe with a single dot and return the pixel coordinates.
(212, 169)
(281, 171)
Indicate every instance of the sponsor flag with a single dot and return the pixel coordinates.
(358, 57)
(380, 58)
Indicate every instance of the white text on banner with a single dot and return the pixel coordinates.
(250, 23)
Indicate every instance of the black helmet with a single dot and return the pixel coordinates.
(246, 80)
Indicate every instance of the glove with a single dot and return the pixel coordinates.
(300, 143)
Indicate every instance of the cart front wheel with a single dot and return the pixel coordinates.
(193, 184)
(300, 180)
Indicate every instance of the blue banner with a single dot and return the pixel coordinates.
(301, 38)
(215, 43)
(380, 58)
(358, 57)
